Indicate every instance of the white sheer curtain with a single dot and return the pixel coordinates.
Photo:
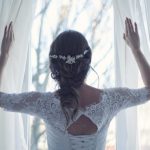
(126, 67)
(17, 72)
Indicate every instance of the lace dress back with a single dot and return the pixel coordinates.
(47, 106)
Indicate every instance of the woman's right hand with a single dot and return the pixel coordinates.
(8, 38)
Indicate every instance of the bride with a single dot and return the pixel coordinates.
(77, 115)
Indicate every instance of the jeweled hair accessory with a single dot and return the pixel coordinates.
(69, 59)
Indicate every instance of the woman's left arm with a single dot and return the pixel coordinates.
(5, 46)
(132, 38)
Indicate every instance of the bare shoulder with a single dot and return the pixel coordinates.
(90, 94)
(94, 90)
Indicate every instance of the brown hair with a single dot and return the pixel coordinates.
(70, 77)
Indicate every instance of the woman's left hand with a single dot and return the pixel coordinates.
(131, 35)
(7, 40)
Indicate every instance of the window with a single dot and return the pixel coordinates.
(92, 18)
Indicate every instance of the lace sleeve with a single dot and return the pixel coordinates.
(121, 98)
(27, 102)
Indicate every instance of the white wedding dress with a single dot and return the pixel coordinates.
(47, 106)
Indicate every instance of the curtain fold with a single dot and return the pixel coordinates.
(126, 68)
(16, 75)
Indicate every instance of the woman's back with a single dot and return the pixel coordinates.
(84, 125)
(89, 129)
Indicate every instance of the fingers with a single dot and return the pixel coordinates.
(130, 25)
(129, 28)
(131, 36)
(136, 28)
(10, 32)
(126, 28)
(7, 39)
(5, 32)
(124, 36)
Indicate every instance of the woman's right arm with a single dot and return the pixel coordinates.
(27, 102)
